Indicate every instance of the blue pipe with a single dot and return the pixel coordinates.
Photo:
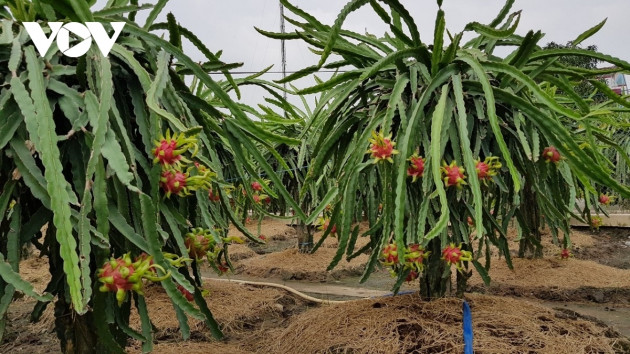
(468, 330)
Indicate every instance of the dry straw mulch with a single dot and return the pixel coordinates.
(405, 324)
(234, 306)
(555, 273)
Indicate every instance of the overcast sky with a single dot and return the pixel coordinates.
(229, 25)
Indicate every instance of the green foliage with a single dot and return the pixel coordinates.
(78, 136)
(451, 102)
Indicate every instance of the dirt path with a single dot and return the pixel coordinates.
(616, 317)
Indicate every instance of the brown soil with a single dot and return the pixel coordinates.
(22, 336)
(239, 252)
(611, 247)
(580, 240)
(292, 265)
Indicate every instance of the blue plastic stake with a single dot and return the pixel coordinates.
(468, 330)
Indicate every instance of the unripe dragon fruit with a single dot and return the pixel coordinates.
(381, 148)
(454, 255)
(416, 167)
(453, 175)
(551, 154)
(596, 222)
(199, 242)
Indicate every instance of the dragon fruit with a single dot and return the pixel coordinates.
(187, 294)
(168, 150)
(565, 253)
(605, 199)
(454, 255)
(488, 168)
(324, 223)
(453, 175)
(413, 275)
(213, 197)
(382, 148)
(551, 154)
(173, 182)
(416, 167)
(389, 257)
(121, 275)
(596, 222)
(414, 257)
(257, 186)
(199, 242)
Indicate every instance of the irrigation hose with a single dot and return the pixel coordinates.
(280, 286)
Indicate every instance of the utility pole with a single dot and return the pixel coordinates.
(283, 50)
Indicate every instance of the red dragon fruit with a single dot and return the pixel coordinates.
(257, 186)
(121, 275)
(389, 257)
(413, 275)
(173, 182)
(324, 223)
(454, 255)
(416, 167)
(551, 154)
(453, 175)
(605, 199)
(213, 197)
(168, 150)
(488, 168)
(415, 256)
(565, 253)
(187, 294)
(381, 148)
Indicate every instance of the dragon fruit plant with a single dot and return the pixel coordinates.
(115, 154)
(424, 139)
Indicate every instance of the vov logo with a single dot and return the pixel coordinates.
(61, 31)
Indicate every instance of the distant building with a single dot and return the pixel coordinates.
(616, 82)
